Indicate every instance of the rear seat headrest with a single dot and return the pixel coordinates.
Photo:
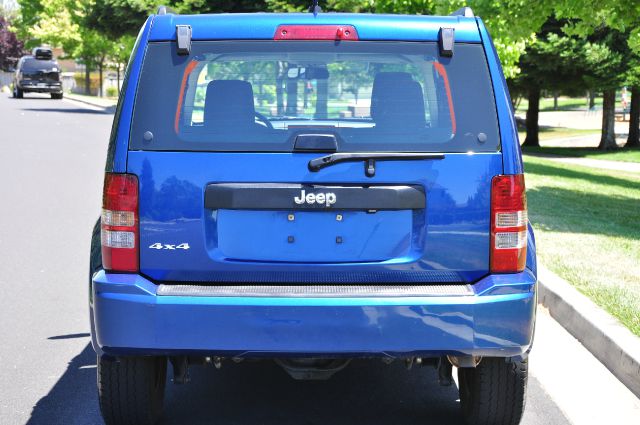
(396, 99)
(229, 103)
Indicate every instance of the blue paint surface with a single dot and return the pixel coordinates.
(262, 26)
(130, 318)
(446, 242)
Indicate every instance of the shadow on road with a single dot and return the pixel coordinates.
(69, 336)
(366, 392)
(70, 110)
(73, 399)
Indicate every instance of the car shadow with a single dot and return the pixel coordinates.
(73, 399)
(569, 211)
(557, 170)
(366, 392)
(71, 110)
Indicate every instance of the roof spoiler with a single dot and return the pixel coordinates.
(467, 12)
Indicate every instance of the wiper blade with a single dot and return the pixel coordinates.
(336, 158)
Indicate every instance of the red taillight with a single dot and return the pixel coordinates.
(316, 32)
(508, 224)
(120, 223)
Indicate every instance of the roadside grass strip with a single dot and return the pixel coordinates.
(587, 224)
(623, 155)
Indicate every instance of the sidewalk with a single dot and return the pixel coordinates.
(586, 120)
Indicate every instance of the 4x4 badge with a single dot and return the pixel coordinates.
(159, 245)
(327, 199)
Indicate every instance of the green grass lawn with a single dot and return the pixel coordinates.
(587, 226)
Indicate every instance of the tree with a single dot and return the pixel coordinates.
(10, 47)
(115, 18)
(633, 81)
(633, 141)
(606, 66)
(552, 62)
(120, 53)
(620, 15)
(93, 51)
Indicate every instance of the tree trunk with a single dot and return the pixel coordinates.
(608, 139)
(100, 84)
(305, 97)
(87, 80)
(555, 101)
(592, 99)
(634, 119)
(321, 100)
(292, 98)
(280, 69)
(533, 112)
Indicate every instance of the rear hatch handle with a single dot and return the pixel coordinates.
(370, 157)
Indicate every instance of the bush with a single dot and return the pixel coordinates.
(112, 92)
(94, 83)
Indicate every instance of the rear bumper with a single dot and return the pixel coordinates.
(34, 87)
(496, 319)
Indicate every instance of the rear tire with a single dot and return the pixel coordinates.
(17, 93)
(131, 390)
(56, 95)
(493, 393)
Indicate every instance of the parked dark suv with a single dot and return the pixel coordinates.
(38, 73)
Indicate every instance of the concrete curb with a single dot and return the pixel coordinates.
(608, 340)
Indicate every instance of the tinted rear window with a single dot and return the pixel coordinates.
(39, 65)
(258, 96)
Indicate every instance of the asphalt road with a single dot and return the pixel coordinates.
(52, 156)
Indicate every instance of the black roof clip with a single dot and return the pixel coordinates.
(467, 12)
(183, 37)
(446, 39)
(314, 8)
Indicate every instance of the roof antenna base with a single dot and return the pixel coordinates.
(314, 8)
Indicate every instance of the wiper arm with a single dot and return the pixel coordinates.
(370, 158)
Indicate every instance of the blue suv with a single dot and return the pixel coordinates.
(309, 189)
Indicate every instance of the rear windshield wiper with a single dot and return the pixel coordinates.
(370, 158)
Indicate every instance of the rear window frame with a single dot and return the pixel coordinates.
(51, 64)
(141, 146)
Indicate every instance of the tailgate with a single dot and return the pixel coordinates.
(255, 217)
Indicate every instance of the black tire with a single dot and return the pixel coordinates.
(494, 393)
(19, 93)
(95, 256)
(56, 95)
(131, 390)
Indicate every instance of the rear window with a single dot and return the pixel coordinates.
(259, 96)
(32, 64)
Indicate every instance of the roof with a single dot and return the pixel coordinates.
(262, 26)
